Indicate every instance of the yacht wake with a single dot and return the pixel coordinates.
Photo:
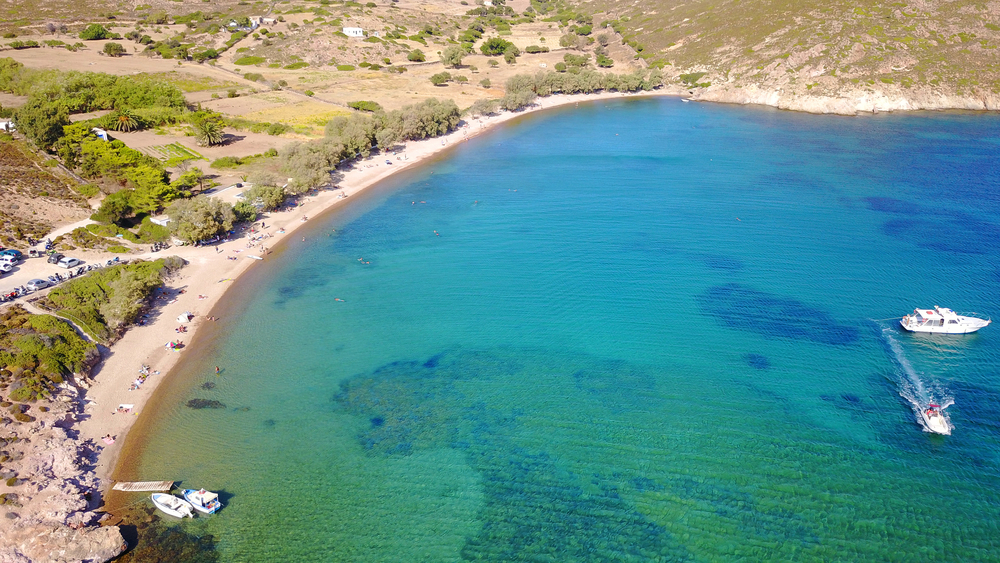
(918, 393)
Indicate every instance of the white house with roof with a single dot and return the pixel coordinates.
(354, 32)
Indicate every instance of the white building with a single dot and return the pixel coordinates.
(354, 32)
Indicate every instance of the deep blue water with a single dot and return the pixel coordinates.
(624, 331)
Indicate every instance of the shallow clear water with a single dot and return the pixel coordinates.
(624, 331)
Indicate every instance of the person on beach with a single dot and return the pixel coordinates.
(216, 370)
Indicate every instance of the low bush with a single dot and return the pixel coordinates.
(227, 162)
(249, 60)
(296, 66)
(106, 301)
(365, 105)
(345, 67)
(38, 352)
(87, 190)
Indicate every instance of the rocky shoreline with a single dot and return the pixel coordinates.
(49, 488)
(848, 101)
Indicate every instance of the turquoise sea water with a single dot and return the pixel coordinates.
(624, 331)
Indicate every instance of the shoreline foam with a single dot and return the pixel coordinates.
(204, 275)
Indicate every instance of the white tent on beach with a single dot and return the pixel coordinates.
(184, 317)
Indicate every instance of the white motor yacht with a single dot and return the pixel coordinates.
(941, 320)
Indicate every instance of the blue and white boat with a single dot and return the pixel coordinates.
(202, 500)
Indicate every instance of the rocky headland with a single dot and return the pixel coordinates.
(49, 491)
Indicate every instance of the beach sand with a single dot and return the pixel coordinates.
(202, 289)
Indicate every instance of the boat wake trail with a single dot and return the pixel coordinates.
(919, 394)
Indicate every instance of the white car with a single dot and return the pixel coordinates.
(36, 284)
(68, 262)
(6, 267)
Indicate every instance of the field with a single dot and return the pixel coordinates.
(173, 151)
(190, 83)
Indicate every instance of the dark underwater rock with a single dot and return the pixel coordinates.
(205, 404)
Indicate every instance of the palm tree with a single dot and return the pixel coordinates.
(208, 133)
(123, 120)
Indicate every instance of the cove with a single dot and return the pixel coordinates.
(636, 330)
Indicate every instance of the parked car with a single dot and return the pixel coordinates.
(6, 267)
(17, 254)
(36, 284)
(55, 258)
(68, 262)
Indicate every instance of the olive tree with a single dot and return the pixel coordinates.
(452, 56)
(200, 218)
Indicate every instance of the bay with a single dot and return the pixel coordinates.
(631, 330)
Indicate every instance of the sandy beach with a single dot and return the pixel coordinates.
(209, 274)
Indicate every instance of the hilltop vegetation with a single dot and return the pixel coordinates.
(819, 48)
(104, 302)
(38, 352)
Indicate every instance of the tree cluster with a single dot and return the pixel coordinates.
(522, 89)
(200, 218)
(309, 163)
(103, 302)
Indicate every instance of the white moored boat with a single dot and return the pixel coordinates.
(941, 320)
(202, 500)
(935, 420)
(173, 506)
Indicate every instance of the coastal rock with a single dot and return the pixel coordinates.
(848, 101)
(46, 514)
(62, 544)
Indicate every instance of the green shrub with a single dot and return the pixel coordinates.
(296, 66)
(277, 129)
(345, 67)
(254, 77)
(87, 190)
(249, 60)
(41, 350)
(94, 32)
(13, 481)
(226, 162)
(536, 49)
(309, 93)
(119, 249)
(691, 78)
(365, 105)
(21, 417)
(416, 56)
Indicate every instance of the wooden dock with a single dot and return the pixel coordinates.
(143, 486)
